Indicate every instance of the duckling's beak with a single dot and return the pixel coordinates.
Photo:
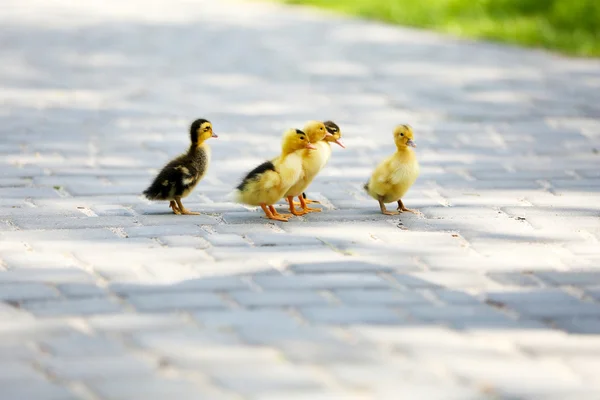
(214, 135)
(411, 143)
(310, 146)
(339, 143)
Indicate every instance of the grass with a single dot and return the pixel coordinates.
(568, 26)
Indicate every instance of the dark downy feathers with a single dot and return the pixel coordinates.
(261, 169)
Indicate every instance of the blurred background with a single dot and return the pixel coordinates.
(569, 26)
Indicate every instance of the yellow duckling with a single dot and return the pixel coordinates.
(179, 177)
(267, 183)
(312, 162)
(324, 148)
(396, 174)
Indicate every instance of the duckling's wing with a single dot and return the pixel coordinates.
(256, 174)
(169, 181)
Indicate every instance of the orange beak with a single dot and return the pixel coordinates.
(310, 146)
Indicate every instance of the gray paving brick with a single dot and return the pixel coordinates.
(321, 281)
(129, 322)
(39, 390)
(227, 240)
(267, 319)
(164, 230)
(454, 297)
(539, 296)
(208, 283)
(590, 326)
(72, 307)
(575, 278)
(339, 266)
(278, 298)
(26, 291)
(11, 371)
(455, 313)
(95, 368)
(378, 297)
(268, 379)
(558, 311)
(28, 192)
(150, 388)
(80, 345)
(351, 315)
(281, 239)
(81, 290)
(157, 302)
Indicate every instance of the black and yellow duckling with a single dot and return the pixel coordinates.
(179, 177)
(268, 183)
(396, 174)
(324, 147)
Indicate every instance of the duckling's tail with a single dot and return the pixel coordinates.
(366, 186)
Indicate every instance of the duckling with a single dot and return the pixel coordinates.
(396, 174)
(312, 162)
(336, 137)
(179, 177)
(267, 183)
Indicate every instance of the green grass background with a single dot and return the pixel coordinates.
(568, 26)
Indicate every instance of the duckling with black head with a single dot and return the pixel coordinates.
(180, 176)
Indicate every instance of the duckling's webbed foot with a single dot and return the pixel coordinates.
(307, 201)
(384, 210)
(270, 215)
(174, 207)
(183, 210)
(402, 208)
(275, 213)
(293, 210)
(305, 207)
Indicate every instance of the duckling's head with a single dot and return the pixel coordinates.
(336, 133)
(201, 130)
(316, 131)
(403, 137)
(295, 139)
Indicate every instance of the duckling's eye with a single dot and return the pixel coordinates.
(402, 134)
(302, 138)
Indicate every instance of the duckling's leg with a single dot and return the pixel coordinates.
(402, 208)
(290, 200)
(270, 215)
(307, 201)
(275, 213)
(174, 207)
(384, 210)
(305, 207)
(183, 209)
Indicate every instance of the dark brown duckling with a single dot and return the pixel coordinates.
(180, 176)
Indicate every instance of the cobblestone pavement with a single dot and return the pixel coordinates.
(491, 292)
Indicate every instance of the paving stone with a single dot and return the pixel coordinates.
(36, 390)
(81, 290)
(157, 302)
(95, 368)
(268, 319)
(208, 283)
(129, 322)
(575, 278)
(150, 388)
(26, 291)
(351, 315)
(321, 281)
(163, 230)
(378, 297)
(82, 346)
(278, 298)
(226, 240)
(339, 266)
(72, 307)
